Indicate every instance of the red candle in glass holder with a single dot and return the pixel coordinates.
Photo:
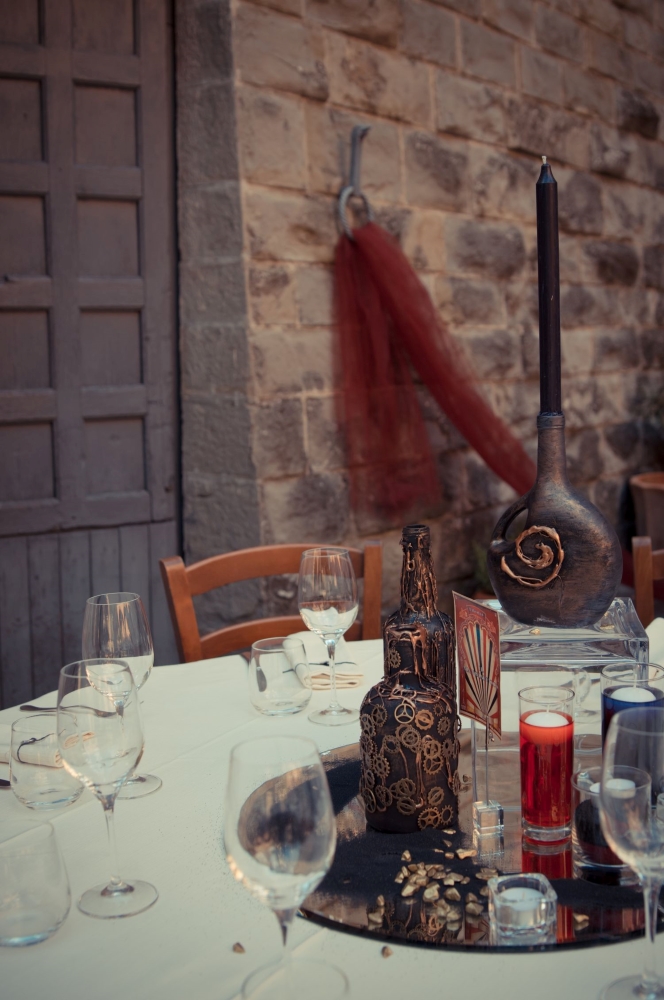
(546, 738)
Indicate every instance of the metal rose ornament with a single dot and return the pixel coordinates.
(563, 569)
(409, 747)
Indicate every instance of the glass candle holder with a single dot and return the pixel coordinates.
(546, 739)
(34, 888)
(630, 687)
(522, 909)
(279, 677)
(38, 776)
(594, 860)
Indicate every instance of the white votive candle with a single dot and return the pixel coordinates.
(519, 907)
(546, 720)
(635, 695)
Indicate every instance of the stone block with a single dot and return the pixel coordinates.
(512, 16)
(613, 263)
(203, 41)
(220, 514)
(487, 54)
(502, 184)
(428, 32)
(314, 287)
(215, 432)
(558, 33)
(468, 108)
(638, 32)
(577, 352)
(495, 250)
(643, 7)
(584, 462)
(624, 209)
(493, 354)
(212, 293)
(541, 75)
(652, 345)
(377, 80)
(461, 300)
(210, 222)
(623, 439)
(635, 113)
(280, 52)
(214, 358)
(424, 241)
(377, 20)
(205, 151)
(271, 138)
(611, 152)
(601, 14)
(325, 443)
(592, 95)
(615, 350)
(582, 401)
(313, 508)
(582, 305)
(608, 56)
(289, 227)
(272, 295)
(649, 166)
(278, 438)
(436, 171)
(653, 266)
(533, 127)
(394, 220)
(646, 75)
(291, 362)
(580, 204)
(328, 147)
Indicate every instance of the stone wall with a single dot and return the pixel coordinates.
(462, 98)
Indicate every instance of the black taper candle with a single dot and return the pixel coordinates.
(548, 277)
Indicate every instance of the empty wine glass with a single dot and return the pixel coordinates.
(327, 599)
(115, 627)
(100, 737)
(632, 781)
(279, 837)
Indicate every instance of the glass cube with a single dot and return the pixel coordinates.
(522, 910)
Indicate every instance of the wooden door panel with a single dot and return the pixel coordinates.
(105, 126)
(87, 319)
(20, 119)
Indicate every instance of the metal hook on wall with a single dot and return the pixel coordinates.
(353, 188)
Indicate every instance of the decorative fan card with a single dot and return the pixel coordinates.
(478, 655)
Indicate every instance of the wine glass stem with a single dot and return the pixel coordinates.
(331, 650)
(650, 981)
(115, 882)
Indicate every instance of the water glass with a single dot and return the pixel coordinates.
(546, 739)
(634, 686)
(279, 678)
(38, 776)
(34, 888)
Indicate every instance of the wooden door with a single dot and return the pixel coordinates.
(88, 470)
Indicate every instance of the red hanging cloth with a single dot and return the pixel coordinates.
(385, 319)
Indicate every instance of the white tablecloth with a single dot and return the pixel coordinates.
(181, 949)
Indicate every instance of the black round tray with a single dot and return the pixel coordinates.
(366, 864)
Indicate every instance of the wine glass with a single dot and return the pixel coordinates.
(279, 837)
(115, 627)
(632, 780)
(327, 599)
(100, 737)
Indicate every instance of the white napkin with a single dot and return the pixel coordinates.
(44, 752)
(316, 651)
(655, 633)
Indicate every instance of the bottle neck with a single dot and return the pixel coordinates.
(418, 582)
(551, 457)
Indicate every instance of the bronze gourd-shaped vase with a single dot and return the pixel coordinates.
(564, 567)
(409, 748)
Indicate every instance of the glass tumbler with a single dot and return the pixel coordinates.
(546, 741)
(279, 678)
(38, 776)
(34, 888)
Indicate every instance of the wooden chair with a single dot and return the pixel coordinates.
(648, 567)
(184, 582)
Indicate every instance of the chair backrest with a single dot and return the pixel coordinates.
(182, 583)
(648, 567)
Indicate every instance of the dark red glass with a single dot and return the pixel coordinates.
(547, 756)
